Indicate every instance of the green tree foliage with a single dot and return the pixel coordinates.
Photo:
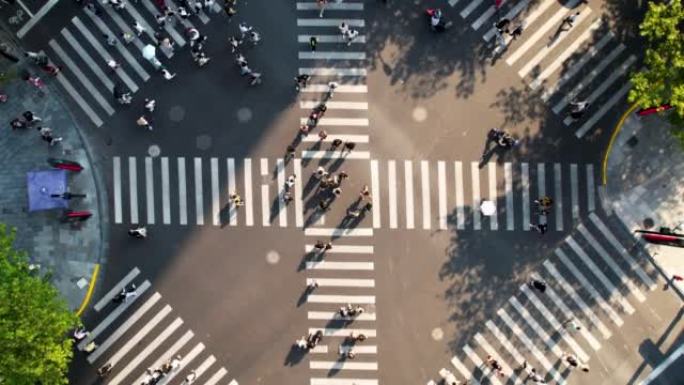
(34, 322)
(662, 79)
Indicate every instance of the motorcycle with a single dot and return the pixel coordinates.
(437, 21)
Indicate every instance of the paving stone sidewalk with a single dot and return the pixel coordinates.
(645, 184)
(69, 253)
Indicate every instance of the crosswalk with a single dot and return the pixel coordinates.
(145, 317)
(592, 280)
(407, 194)
(561, 63)
(82, 49)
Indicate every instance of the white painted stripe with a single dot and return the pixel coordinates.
(149, 29)
(75, 69)
(442, 188)
(483, 17)
(343, 299)
(548, 367)
(614, 294)
(342, 282)
(216, 377)
(613, 266)
(475, 177)
(265, 211)
(558, 201)
(215, 199)
(199, 196)
(249, 210)
(486, 372)
(460, 212)
(335, 39)
(333, 71)
(111, 317)
(589, 287)
(577, 299)
(312, 6)
(375, 195)
(347, 122)
(574, 191)
(469, 9)
(546, 48)
(541, 186)
(133, 188)
(79, 100)
(34, 18)
(135, 340)
(123, 26)
(343, 365)
(172, 351)
(577, 66)
(177, 38)
(330, 316)
(602, 111)
(205, 365)
(185, 360)
(453, 2)
(319, 22)
(115, 290)
(507, 370)
(569, 50)
(116, 176)
(182, 193)
(525, 186)
(319, 349)
(137, 360)
(541, 31)
(517, 356)
(166, 191)
(332, 137)
(324, 265)
(232, 188)
(425, 193)
(343, 381)
(85, 56)
(464, 371)
(591, 189)
(392, 192)
(493, 195)
(341, 89)
(508, 183)
(120, 47)
(149, 190)
(298, 198)
(554, 323)
(307, 154)
(623, 252)
(359, 349)
(343, 332)
(339, 232)
(309, 104)
(346, 249)
(331, 55)
(511, 15)
(597, 91)
(408, 179)
(568, 315)
(282, 209)
(534, 325)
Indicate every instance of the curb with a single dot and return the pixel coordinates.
(616, 130)
(89, 293)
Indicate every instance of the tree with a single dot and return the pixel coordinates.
(34, 322)
(662, 79)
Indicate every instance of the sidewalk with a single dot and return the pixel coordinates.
(70, 254)
(645, 184)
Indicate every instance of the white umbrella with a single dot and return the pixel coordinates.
(488, 208)
(149, 52)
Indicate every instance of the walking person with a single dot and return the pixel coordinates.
(290, 182)
(344, 29)
(569, 21)
(31, 118)
(321, 247)
(335, 144)
(143, 122)
(313, 42)
(301, 81)
(322, 134)
(365, 193)
(321, 5)
(571, 325)
(150, 104)
(139, 29)
(348, 147)
(167, 75)
(331, 90)
(254, 78)
(236, 200)
(516, 32)
(139, 232)
(494, 364)
(190, 378)
(46, 135)
(542, 228)
(351, 35)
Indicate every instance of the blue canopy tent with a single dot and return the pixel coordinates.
(41, 185)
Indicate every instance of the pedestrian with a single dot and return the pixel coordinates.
(289, 152)
(312, 284)
(570, 359)
(516, 32)
(244, 69)
(322, 247)
(244, 29)
(368, 207)
(676, 277)
(161, 19)
(287, 197)
(46, 135)
(572, 325)
(113, 65)
(494, 364)
(537, 284)
(544, 204)
(342, 175)
(323, 205)
(90, 347)
(301, 81)
(166, 43)
(255, 78)
(139, 29)
(30, 117)
(150, 104)
(331, 90)
(365, 193)
(320, 173)
(230, 10)
(255, 37)
(569, 21)
(321, 5)
(290, 182)
(110, 40)
(351, 35)
(578, 108)
(344, 29)
(353, 213)
(322, 134)
(167, 75)
(337, 191)
(104, 370)
(143, 122)
(542, 228)
(348, 147)
(335, 143)
(202, 59)
(236, 200)
(190, 378)
(127, 37)
(182, 13)
(80, 333)
(234, 43)
(502, 26)
(240, 60)
(313, 42)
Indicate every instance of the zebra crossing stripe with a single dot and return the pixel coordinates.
(342, 381)
(486, 372)
(574, 192)
(178, 39)
(182, 193)
(614, 293)
(215, 198)
(312, 6)
(265, 220)
(458, 179)
(519, 6)
(541, 186)
(529, 319)
(483, 17)
(341, 282)
(116, 175)
(591, 122)
(375, 196)
(322, 39)
(338, 106)
(489, 350)
(199, 195)
(187, 359)
(205, 365)
(554, 323)
(341, 89)
(359, 349)
(333, 71)
(69, 88)
(115, 290)
(232, 188)
(343, 332)
(119, 23)
(137, 17)
(442, 187)
(505, 342)
(308, 154)
(470, 8)
(249, 211)
(508, 181)
(589, 287)
(149, 190)
(425, 193)
(347, 122)
(408, 182)
(166, 191)
(343, 365)
(331, 55)
(216, 377)
(559, 195)
(453, 2)
(622, 251)
(591, 203)
(319, 349)
(325, 265)
(335, 316)
(167, 354)
(343, 299)
(475, 175)
(87, 58)
(392, 192)
(133, 188)
(525, 186)
(550, 293)
(298, 199)
(332, 137)
(318, 22)
(336, 232)
(530, 346)
(280, 191)
(551, 268)
(491, 174)
(464, 371)
(137, 360)
(609, 261)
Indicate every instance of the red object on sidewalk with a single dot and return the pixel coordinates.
(677, 278)
(653, 110)
(497, 3)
